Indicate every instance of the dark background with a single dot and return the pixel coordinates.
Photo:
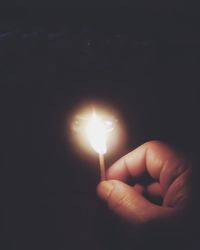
(144, 62)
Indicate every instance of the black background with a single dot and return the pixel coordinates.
(144, 62)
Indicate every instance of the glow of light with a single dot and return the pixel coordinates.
(96, 133)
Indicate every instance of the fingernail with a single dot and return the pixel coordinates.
(104, 189)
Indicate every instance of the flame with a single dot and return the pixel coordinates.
(96, 133)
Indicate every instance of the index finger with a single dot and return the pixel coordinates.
(152, 157)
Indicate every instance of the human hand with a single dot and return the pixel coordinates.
(170, 172)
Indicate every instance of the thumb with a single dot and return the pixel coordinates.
(125, 201)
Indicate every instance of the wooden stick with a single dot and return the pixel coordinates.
(102, 167)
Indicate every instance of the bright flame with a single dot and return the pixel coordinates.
(96, 133)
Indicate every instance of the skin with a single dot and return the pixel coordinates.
(170, 173)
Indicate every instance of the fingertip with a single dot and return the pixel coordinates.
(139, 188)
(154, 189)
(104, 189)
(117, 171)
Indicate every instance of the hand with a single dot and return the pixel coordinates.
(170, 173)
